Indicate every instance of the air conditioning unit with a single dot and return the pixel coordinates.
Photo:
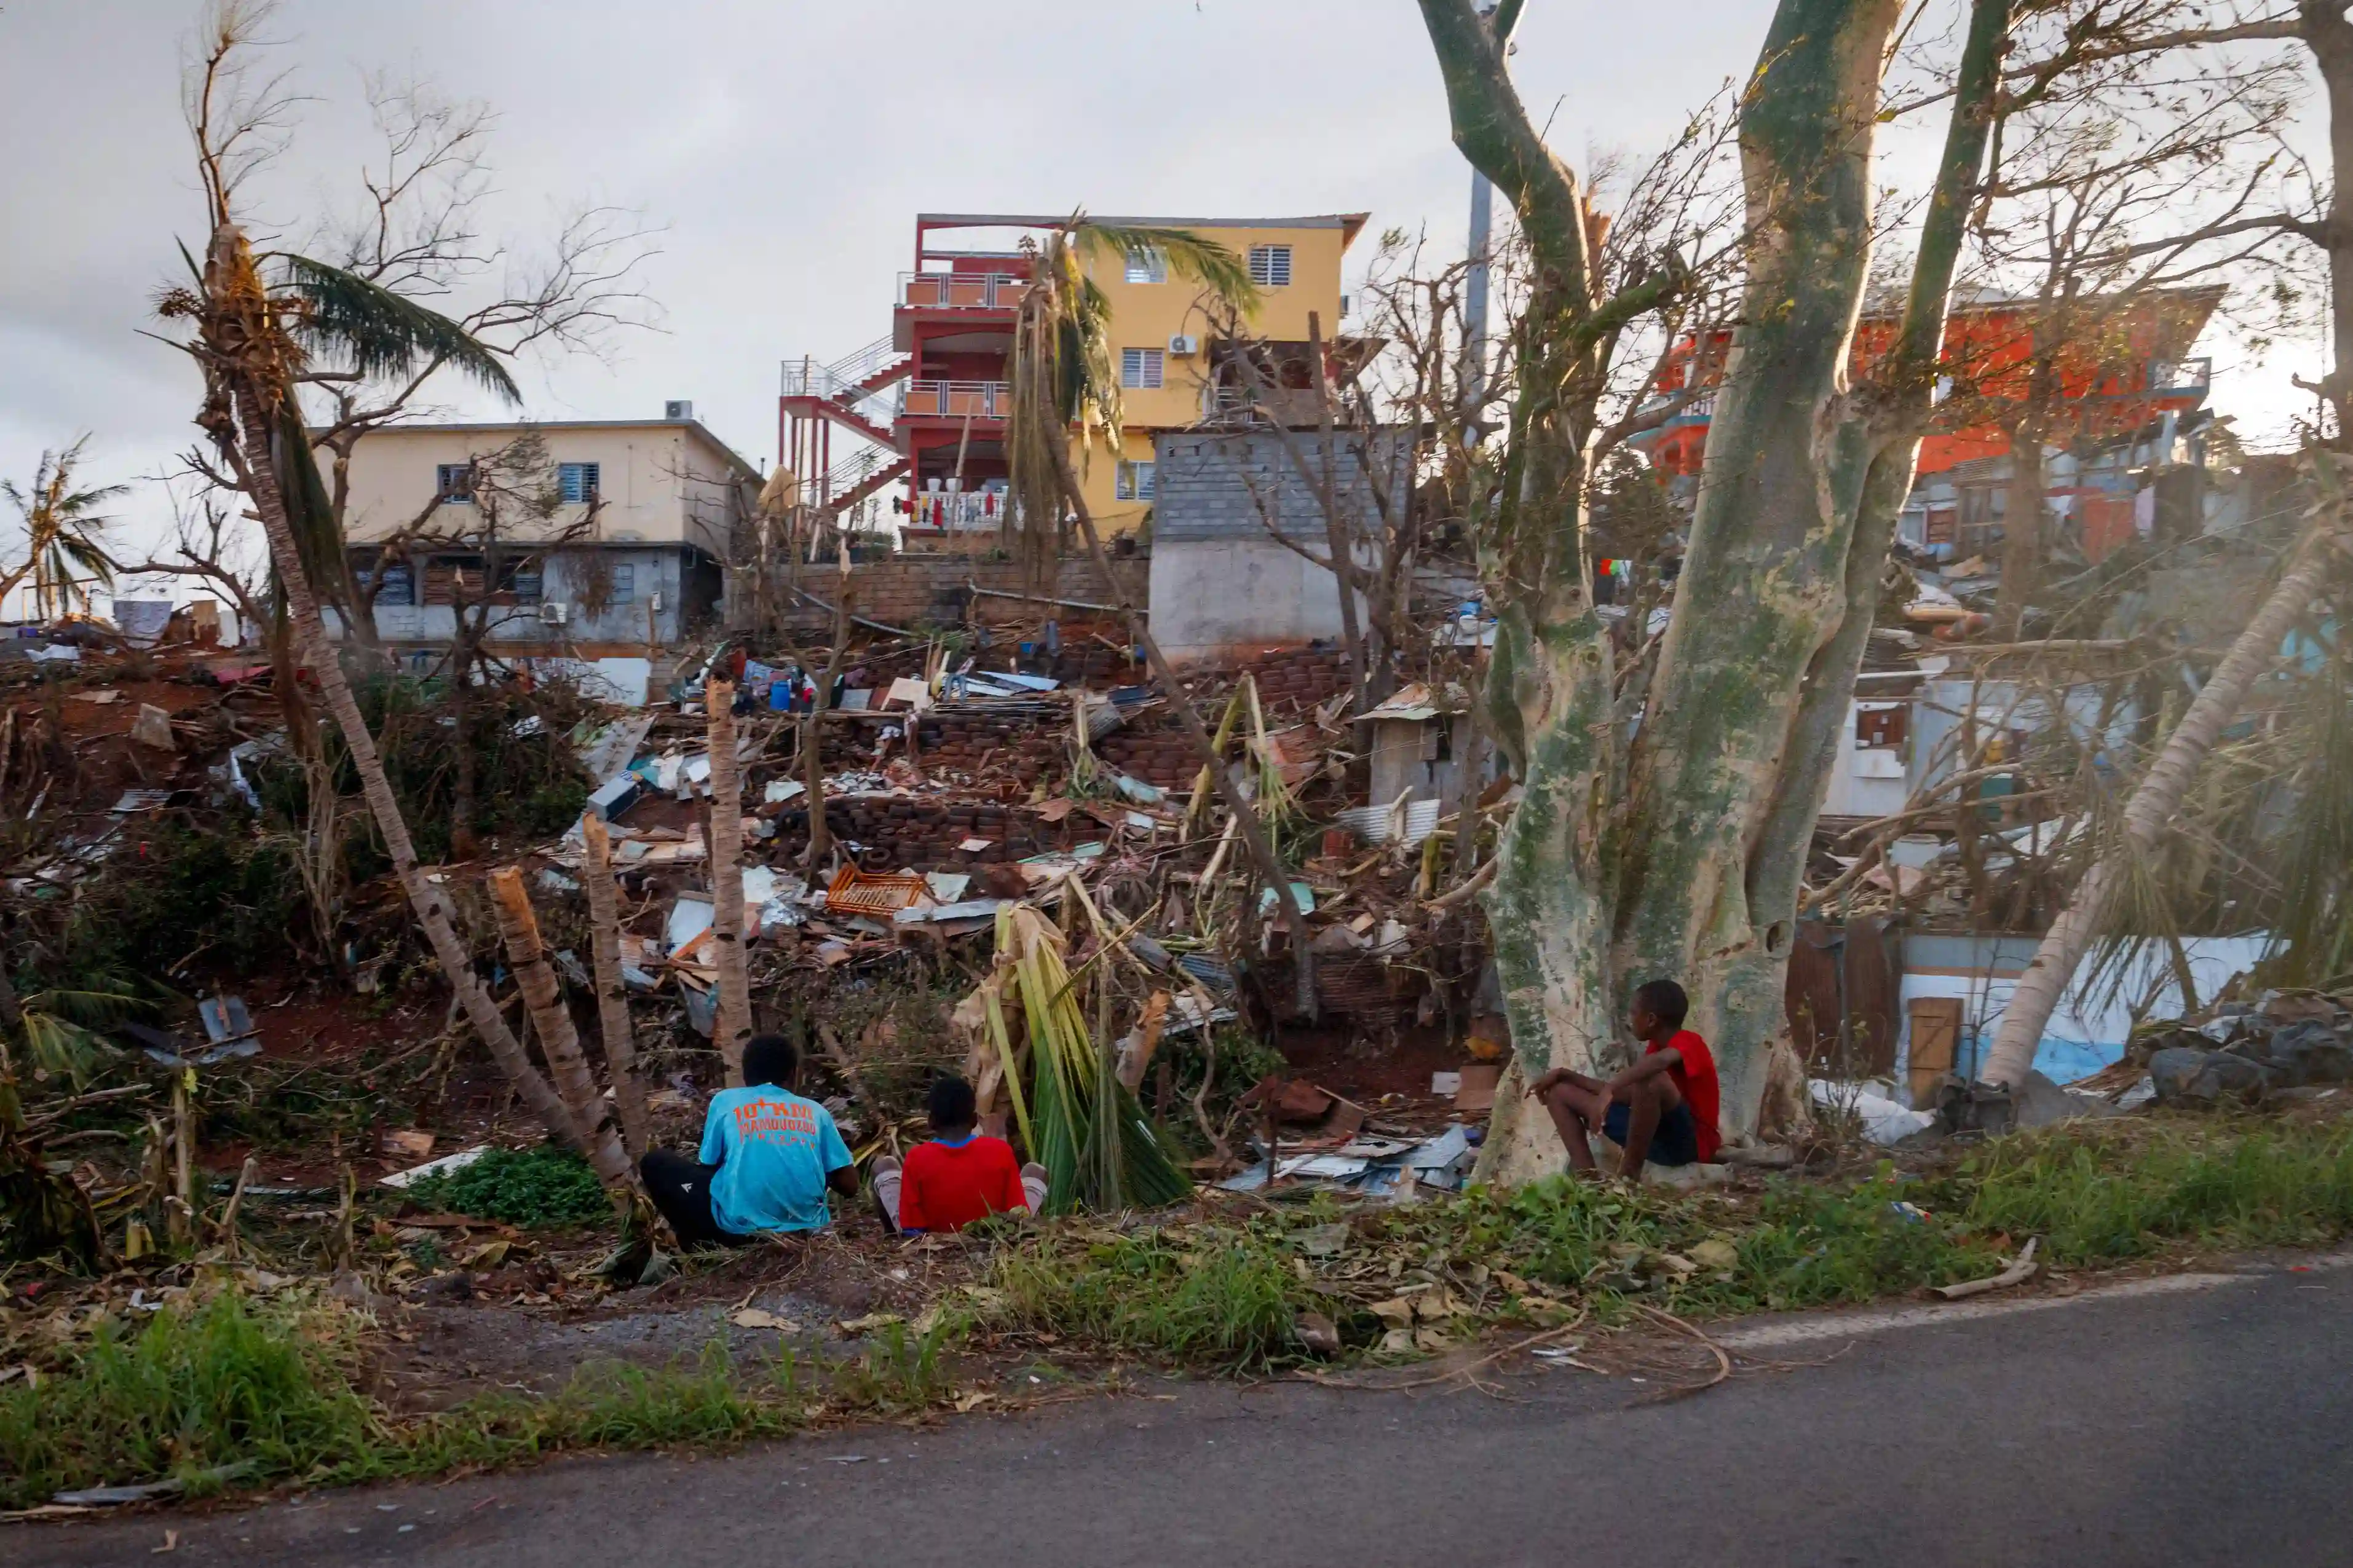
(554, 615)
(1184, 345)
(678, 408)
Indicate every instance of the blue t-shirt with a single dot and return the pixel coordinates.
(773, 1150)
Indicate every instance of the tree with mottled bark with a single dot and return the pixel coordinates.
(1674, 847)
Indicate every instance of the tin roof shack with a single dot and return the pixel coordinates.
(1417, 741)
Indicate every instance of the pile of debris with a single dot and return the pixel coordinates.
(2246, 1052)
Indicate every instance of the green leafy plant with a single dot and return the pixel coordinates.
(548, 1185)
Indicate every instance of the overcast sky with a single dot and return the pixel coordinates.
(784, 147)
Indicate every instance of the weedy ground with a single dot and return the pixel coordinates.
(224, 1390)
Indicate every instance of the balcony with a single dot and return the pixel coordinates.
(956, 400)
(960, 511)
(960, 290)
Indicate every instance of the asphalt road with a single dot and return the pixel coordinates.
(2201, 1421)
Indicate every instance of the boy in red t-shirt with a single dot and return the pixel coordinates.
(1662, 1109)
(960, 1176)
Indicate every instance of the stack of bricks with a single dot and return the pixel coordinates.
(928, 836)
(1166, 756)
(914, 590)
(1019, 748)
(1298, 677)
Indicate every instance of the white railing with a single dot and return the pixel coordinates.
(844, 380)
(845, 476)
(959, 512)
(957, 399)
(961, 290)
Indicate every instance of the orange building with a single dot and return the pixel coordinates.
(2126, 368)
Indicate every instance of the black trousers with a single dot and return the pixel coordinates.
(681, 1188)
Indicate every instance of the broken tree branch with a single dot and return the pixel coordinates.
(734, 1025)
(612, 991)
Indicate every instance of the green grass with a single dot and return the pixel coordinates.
(549, 1185)
(2129, 1190)
(1200, 1294)
(268, 1392)
(272, 1391)
(1227, 1294)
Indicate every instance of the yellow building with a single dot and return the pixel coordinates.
(1171, 370)
(949, 350)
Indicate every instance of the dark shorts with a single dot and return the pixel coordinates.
(681, 1189)
(1676, 1143)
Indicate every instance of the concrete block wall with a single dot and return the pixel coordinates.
(931, 590)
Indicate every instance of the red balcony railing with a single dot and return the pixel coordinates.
(957, 399)
(961, 290)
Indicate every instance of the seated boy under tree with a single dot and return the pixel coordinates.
(1661, 1111)
(961, 1176)
(767, 1160)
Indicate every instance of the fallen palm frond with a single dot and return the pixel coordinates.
(1085, 1128)
(61, 1030)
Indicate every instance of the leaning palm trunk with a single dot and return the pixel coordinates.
(612, 993)
(2150, 812)
(238, 334)
(734, 1024)
(543, 996)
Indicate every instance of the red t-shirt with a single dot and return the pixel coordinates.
(1696, 1081)
(946, 1186)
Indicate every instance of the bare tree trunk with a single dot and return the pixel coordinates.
(612, 990)
(553, 1020)
(463, 846)
(1336, 537)
(734, 1025)
(2150, 812)
(2329, 35)
(1682, 855)
(2022, 543)
(813, 728)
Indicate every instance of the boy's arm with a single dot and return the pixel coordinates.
(714, 1138)
(840, 1170)
(1647, 1068)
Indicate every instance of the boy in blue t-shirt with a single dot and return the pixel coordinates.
(768, 1157)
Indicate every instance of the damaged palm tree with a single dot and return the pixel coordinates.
(2156, 802)
(41, 1210)
(251, 341)
(551, 1020)
(1675, 848)
(1084, 1125)
(1064, 390)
